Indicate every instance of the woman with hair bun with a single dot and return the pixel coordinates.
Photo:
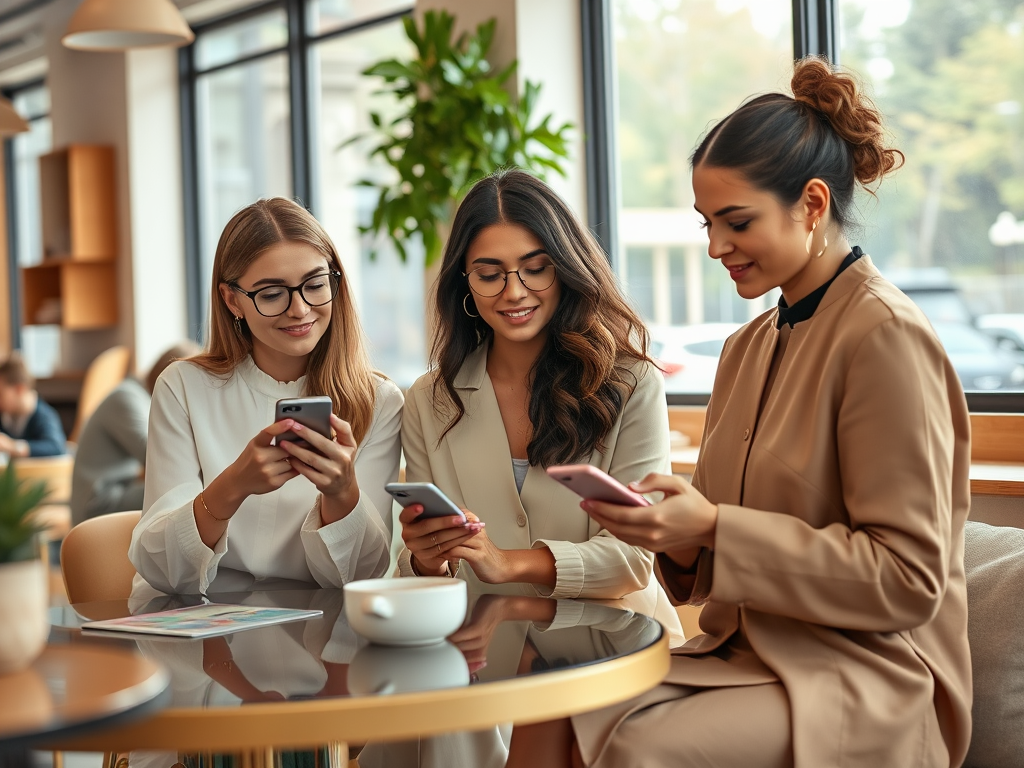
(823, 530)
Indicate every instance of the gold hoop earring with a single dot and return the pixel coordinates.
(465, 308)
(810, 241)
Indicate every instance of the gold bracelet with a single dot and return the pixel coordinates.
(218, 519)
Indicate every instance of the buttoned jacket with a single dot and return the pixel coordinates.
(838, 560)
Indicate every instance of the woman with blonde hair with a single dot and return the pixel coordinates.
(229, 508)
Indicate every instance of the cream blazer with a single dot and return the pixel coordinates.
(838, 563)
(473, 466)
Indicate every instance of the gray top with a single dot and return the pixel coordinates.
(519, 468)
(111, 454)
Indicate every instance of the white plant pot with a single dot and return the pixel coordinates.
(24, 618)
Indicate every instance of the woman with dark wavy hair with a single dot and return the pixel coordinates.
(538, 361)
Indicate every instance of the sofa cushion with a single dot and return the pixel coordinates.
(994, 563)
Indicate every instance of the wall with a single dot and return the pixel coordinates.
(128, 101)
(157, 245)
(546, 37)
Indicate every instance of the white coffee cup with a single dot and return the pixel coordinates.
(377, 669)
(417, 610)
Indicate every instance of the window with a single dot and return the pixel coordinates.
(948, 228)
(674, 78)
(950, 80)
(39, 341)
(269, 97)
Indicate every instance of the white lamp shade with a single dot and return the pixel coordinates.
(117, 25)
(10, 121)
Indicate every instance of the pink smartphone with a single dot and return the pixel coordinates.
(592, 483)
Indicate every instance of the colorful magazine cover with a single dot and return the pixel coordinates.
(202, 620)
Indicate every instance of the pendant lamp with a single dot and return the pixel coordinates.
(10, 121)
(117, 25)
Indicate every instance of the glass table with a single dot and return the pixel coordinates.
(75, 689)
(516, 660)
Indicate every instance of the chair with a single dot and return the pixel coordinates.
(994, 565)
(104, 373)
(94, 558)
(55, 470)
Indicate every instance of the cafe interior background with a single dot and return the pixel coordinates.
(268, 97)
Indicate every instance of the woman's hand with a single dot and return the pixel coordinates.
(490, 564)
(682, 521)
(328, 465)
(220, 666)
(474, 638)
(260, 468)
(431, 539)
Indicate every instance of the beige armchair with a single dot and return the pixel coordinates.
(104, 373)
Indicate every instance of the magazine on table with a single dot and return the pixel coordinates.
(206, 620)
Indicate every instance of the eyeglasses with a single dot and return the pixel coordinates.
(274, 300)
(491, 280)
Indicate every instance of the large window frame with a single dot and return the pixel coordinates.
(298, 51)
(13, 233)
(815, 31)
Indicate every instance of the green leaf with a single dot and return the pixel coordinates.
(18, 499)
(451, 122)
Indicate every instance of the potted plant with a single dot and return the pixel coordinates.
(457, 123)
(24, 593)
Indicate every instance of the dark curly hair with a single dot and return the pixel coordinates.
(583, 376)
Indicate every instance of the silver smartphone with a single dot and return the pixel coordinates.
(311, 412)
(435, 503)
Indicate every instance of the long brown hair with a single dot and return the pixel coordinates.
(582, 379)
(339, 365)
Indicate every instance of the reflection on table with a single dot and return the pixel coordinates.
(74, 687)
(302, 684)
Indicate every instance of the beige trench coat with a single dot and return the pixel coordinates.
(473, 466)
(839, 547)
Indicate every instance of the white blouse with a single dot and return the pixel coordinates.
(199, 424)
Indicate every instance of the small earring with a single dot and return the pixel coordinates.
(238, 325)
(465, 308)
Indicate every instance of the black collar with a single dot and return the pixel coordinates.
(806, 307)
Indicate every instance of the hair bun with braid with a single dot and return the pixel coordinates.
(852, 115)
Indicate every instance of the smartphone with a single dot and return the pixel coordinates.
(311, 412)
(592, 483)
(435, 503)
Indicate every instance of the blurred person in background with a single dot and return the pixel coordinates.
(28, 425)
(111, 455)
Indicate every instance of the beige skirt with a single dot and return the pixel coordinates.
(685, 727)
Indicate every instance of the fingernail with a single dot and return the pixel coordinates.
(585, 505)
(297, 427)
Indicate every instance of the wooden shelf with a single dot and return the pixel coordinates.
(75, 285)
(75, 295)
(78, 203)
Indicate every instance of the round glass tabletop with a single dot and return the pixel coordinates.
(513, 659)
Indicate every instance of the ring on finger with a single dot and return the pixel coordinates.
(434, 540)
